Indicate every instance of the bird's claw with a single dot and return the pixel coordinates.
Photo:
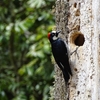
(75, 52)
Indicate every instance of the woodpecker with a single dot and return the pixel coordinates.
(60, 54)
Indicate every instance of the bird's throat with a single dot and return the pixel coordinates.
(55, 38)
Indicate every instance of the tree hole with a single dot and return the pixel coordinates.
(78, 92)
(77, 38)
(75, 4)
(75, 69)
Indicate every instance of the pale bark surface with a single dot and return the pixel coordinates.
(75, 17)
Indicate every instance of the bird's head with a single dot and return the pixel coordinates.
(53, 35)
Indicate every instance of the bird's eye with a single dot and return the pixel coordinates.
(53, 34)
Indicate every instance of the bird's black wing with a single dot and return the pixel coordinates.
(65, 49)
(65, 74)
(65, 60)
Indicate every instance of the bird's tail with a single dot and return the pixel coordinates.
(66, 76)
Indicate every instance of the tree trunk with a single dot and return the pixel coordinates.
(79, 21)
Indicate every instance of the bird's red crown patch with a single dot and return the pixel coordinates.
(48, 35)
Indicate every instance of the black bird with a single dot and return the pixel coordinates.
(60, 54)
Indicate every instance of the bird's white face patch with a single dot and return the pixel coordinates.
(54, 32)
(55, 38)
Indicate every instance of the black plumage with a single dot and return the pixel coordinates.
(60, 54)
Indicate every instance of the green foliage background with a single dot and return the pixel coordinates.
(26, 70)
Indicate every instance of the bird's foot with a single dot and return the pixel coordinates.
(75, 52)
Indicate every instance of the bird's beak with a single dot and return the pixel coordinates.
(57, 33)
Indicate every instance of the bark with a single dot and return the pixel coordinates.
(79, 21)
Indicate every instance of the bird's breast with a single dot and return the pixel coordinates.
(57, 49)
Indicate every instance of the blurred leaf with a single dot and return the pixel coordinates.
(27, 68)
(39, 70)
(36, 3)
